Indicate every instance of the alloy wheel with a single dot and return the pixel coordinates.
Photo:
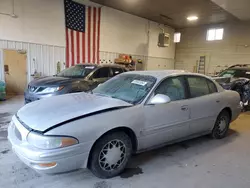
(112, 155)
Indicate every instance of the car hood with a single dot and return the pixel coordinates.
(46, 113)
(52, 81)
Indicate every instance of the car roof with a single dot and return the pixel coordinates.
(101, 65)
(160, 74)
(239, 68)
(110, 65)
(88, 64)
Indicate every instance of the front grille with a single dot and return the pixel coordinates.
(18, 134)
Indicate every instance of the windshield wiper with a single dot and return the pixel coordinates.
(100, 94)
(113, 97)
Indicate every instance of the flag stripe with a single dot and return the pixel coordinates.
(78, 47)
(89, 33)
(72, 48)
(67, 48)
(83, 48)
(94, 35)
(86, 34)
(96, 29)
(98, 35)
(75, 47)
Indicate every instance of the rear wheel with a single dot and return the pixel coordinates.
(110, 155)
(221, 125)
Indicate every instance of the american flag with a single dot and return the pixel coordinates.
(82, 33)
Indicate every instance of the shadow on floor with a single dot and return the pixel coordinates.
(198, 146)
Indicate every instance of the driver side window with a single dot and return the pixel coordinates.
(101, 73)
(172, 87)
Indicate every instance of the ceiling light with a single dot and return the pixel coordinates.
(192, 18)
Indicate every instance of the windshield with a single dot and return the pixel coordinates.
(235, 73)
(131, 88)
(77, 71)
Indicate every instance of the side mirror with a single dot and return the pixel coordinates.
(160, 99)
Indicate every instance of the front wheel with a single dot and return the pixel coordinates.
(110, 155)
(221, 125)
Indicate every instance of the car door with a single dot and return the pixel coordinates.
(170, 121)
(204, 103)
(101, 75)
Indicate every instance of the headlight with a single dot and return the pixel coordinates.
(51, 89)
(50, 142)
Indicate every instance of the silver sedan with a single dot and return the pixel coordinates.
(132, 112)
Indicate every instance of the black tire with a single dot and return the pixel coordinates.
(217, 133)
(94, 162)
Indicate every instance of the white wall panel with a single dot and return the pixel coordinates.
(39, 21)
(159, 63)
(153, 49)
(233, 49)
(128, 34)
(122, 32)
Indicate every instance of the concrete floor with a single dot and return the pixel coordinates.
(7, 109)
(198, 163)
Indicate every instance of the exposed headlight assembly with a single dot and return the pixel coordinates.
(50, 90)
(50, 142)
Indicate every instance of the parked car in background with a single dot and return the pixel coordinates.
(130, 113)
(237, 78)
(81, 77)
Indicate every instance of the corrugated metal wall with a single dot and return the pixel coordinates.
(43, 58)
(40, 57)
(148, 62)
(109, 57)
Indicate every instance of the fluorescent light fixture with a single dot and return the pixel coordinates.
(192, 18)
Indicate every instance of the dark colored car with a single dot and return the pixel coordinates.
(237, 78)
(236, 72)
(82, 77)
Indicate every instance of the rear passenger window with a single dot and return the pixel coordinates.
(101, 73)
(212, 87)
(117, 71)
(198, 86)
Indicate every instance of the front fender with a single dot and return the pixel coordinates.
(89, 129)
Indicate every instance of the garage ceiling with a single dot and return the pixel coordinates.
(239, 8)
(173, 12)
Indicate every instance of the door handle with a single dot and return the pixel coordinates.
(184, 108)
(217, 101)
